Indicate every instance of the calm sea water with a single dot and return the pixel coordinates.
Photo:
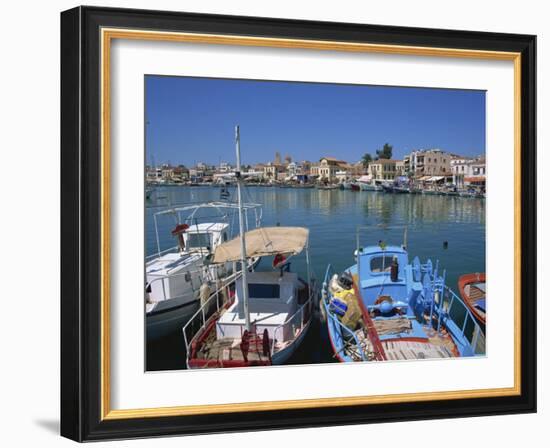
(333, 217)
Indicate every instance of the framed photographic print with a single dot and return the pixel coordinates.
(273, 223)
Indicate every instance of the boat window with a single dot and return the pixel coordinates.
(381, 264)
(224, 236)
(263, 291)
(199, 240)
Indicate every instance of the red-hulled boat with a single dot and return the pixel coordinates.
(472, 291)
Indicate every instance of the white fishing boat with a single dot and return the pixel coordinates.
(177, 277)
(366, 183)
(265, 319)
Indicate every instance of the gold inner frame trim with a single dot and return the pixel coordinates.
(107, 35)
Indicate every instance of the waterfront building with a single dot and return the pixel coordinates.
(196, 174)
(314, 170)
(180, 173)
(357, 169)
(460, 165)
(328, 166)
(293, 170)
(427, 162)
(382, 169)
(167, 173)
(478, 173)
(468, 170)
(153, 174)
(341, 176)
(400, 168)
(272, 171)
(260, 167)
(306, 167)
(225, 167)
(254, 174)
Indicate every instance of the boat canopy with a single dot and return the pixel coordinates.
(264, 241)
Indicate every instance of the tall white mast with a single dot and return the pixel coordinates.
(244, 263)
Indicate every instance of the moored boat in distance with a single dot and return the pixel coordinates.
(401, 189)
(369, 187)
(385, 308)
(430, 191)
(471, 288)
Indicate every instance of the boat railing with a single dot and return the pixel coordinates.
(194, 250)
(163, 252)
(189, 214)
(210, 307)
(345, 331)
(459, 319)
(295, 323)
(325, 298)
(328, 275)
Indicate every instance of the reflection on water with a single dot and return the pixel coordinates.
(332, 217)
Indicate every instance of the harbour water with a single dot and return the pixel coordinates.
(450, 229)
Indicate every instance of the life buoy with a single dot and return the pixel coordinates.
(381, 299)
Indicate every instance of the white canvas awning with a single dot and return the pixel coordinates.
(263, 242)
(435, 178)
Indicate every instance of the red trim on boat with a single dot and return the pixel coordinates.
(380, 354)
(468, 279)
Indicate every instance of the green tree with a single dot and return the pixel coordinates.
(385, 152)
(366, 160)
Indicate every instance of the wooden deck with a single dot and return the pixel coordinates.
(229, 349)
(433, 346)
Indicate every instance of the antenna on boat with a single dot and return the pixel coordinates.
(244, 264)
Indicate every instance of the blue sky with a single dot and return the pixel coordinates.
(192, 120)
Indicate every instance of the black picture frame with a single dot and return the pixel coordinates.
(81, 224)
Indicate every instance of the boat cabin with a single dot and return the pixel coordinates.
(174, 273)
(202, 237)
(273, 298)
(383, 278)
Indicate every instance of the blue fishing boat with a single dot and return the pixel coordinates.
(385, 308)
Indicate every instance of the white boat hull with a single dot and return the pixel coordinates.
(282, 356)
(169, 320)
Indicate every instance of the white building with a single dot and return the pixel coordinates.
(468, 170)
(293, 170)
(225, 167)
(341, 175)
